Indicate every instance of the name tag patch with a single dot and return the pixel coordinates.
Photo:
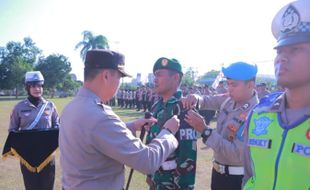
(262, 143)
(301, 149)
(188, 134)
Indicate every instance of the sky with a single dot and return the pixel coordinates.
(201, 34)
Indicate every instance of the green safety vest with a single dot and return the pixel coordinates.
(280, 155)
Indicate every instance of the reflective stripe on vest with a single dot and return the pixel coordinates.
(280, 156)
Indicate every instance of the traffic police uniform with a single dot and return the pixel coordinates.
(227, 140)
(278, 138)
(95, 144)
(179, 170)
(23, 114)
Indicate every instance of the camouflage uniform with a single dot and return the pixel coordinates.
(183, 176)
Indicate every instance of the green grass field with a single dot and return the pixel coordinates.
(11, 178)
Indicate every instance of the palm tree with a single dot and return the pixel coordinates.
(90, 41)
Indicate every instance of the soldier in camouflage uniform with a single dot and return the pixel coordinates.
(178, 172)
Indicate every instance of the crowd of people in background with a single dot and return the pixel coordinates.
(142, 98)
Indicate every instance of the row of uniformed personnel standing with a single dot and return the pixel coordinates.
(256, 145)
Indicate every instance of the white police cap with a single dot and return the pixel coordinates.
(291, 25)
(34, 76)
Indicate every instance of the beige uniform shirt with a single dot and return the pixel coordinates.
(24, 113)
(95, 144)
(227, 145)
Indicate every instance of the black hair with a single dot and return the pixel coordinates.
(173, 72)
(91, 73)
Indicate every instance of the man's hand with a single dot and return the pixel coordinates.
(147, 123)
(150, 182)
(195, 120)
(172, 124)
(189, 101)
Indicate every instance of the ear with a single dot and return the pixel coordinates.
(251, 84)
(105, 74)
(176, 77)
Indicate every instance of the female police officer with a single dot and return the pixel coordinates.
(35, 113)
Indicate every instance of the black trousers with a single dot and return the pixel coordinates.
(39, 181)
(225, 181)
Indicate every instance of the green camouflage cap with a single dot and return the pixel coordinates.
(165, 63)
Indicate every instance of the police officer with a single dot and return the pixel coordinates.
(94, 143)
(178, 171)
(221, 89)
(262, 90)
(226, 140)
(278, 133)
(24, 117)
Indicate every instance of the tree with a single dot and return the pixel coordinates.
(208, 77)
(90, 41)
(69, 86)
(189, 77)
(15, 60)
(55, 68)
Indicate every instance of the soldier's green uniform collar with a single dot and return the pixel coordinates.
(174, 98)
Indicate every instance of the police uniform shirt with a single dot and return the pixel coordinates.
(24, 113)
(225, 141)
(288, 116)
(95, 144)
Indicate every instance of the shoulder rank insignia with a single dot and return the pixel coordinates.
(261, 125)
(100, 104)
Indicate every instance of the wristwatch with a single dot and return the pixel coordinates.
(169, 130)
(206, 133)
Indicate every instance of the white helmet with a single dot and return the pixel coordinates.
(34, 76)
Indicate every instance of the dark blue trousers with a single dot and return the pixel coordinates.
(39, 181)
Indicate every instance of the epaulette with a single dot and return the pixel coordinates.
(267, 102)
(100, 104)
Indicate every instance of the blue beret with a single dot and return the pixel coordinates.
(240, 71)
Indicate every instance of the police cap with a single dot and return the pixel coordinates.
(240, 71)
(106, 59)
(34, 77)
(291, 25)
(170, 64)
